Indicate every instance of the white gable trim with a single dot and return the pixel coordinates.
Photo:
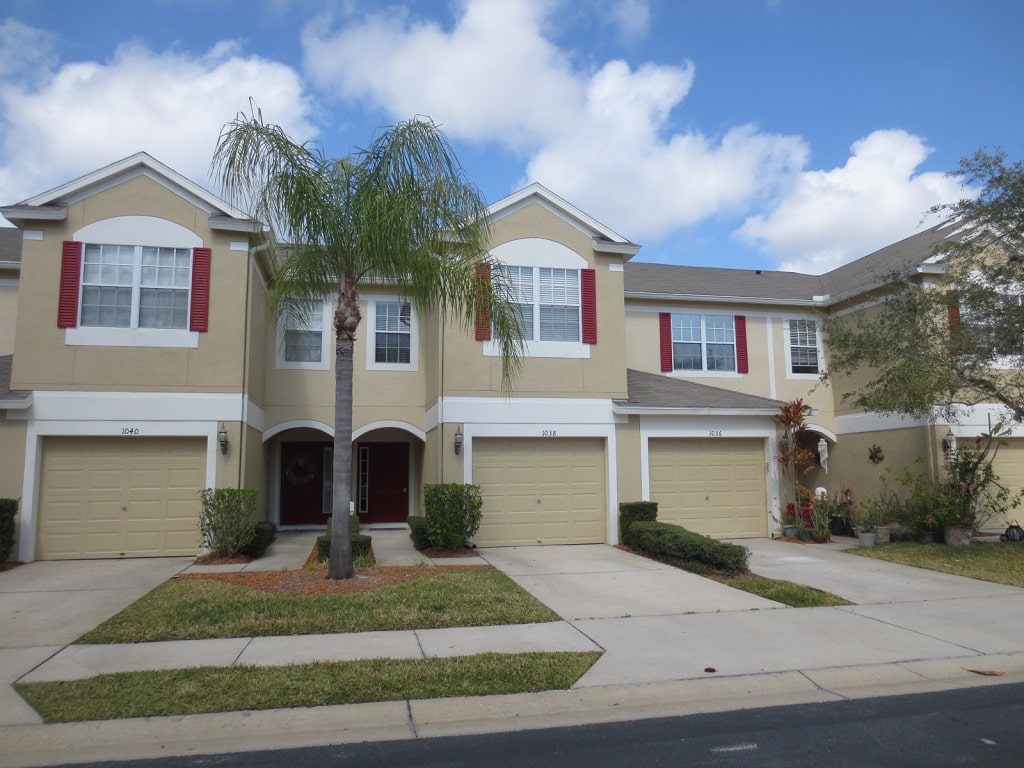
(140, 160)
(542, 195)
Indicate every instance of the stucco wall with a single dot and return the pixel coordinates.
(43, 361)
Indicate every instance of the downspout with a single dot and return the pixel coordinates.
(440, 407)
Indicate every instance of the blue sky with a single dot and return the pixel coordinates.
(738, 133)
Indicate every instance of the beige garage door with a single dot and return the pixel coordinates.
(120, 497)
(1009, 466)
(540, 491)
(714, 487)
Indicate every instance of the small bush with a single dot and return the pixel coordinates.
(8, 509)
(263, 534)
(419, 532)
(453, 512)
(685, 549)
(227, 524)
(360, 546)
(633, 512)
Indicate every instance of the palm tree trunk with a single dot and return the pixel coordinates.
(346, 321)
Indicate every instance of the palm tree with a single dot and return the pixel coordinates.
(400, 212)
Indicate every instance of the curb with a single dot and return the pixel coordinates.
(226, 732)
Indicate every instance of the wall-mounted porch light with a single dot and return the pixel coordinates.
(949, 447)
(222, 438)
(458, 441)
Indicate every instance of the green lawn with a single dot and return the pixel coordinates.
(224, 689)
(188, 609)
(785, 592)
(1002, 563)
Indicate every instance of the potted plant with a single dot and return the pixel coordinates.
(867, 515)
(789, 522)
(972, 492)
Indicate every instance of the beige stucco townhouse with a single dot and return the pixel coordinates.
(138, 364)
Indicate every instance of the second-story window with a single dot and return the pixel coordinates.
(548, 301)
(303, 337)
(393, 332)
(803, 346)
(134, 286)
(703, 343)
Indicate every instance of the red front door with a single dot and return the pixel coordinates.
(302, 483)
(387, 482)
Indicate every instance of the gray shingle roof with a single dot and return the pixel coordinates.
(670, 279)
(10, 244)
(650, 390)
(5, 380)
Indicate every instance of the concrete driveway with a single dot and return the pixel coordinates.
(862, 580)
(599, 582)
(44, 606)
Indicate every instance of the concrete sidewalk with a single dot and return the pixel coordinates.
(80, 661)
(289, 551)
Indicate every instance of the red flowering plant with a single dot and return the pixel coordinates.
(795, 460)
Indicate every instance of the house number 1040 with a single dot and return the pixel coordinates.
(129, 431)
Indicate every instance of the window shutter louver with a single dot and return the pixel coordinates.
(665, 325)
(588, 298)
(483, 309)
(70, 277)
(953, 309)
(199, 317)
(742, 365)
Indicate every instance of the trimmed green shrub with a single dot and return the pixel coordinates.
(227, 522)
(634, 511)
(453, 512)
(685, 549)
(419, 532)
(8, 509)
(263, 534)
(360, 546)
(353, 523)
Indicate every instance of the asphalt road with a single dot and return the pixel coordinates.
(976, 726)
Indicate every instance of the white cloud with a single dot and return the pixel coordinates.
(631, 17)
(601, 138)
(830, 217)
(171, 104)
(25, 52)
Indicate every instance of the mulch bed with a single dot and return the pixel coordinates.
(312, 578)
(440, 553)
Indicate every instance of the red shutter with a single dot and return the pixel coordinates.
(483, 308)
(665, 324)
(70, 277)
(742, 366)
(953, 308)
(588, 298)
(200, 313)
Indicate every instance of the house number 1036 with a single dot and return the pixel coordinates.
(714, 433)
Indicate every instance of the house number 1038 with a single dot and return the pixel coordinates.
(548, 433)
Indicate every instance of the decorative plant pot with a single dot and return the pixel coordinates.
(789, 531)
(804, 534)
(882, 534)
(958, 535)
(926, 537)
(866, 538)
(820, 538)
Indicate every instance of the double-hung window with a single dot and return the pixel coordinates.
(803, 346)
(548, 301)
(303, 335)
(134, 286)
(393, 332)
(703, 342)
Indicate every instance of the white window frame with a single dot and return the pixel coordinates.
(324, 363)
(787, 347)
(704, 372)
(370, 324)
(133, 335)
(534, 347)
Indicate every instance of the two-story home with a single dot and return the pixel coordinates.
(146, 366)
